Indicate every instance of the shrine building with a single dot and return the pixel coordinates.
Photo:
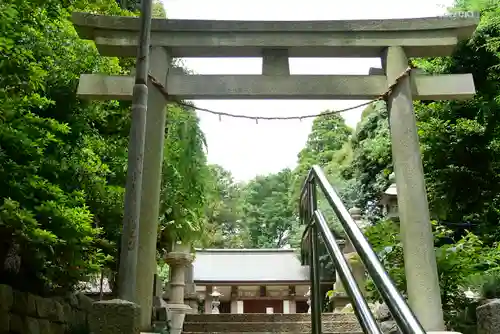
(251, 280)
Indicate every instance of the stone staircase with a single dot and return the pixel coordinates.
(269, 323)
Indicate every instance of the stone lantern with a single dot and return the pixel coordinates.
(215, 300)
(389, 200)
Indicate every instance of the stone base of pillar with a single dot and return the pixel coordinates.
(115, 316)
(340, 300)
(176, 315)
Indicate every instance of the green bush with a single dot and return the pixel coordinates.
(459, 262)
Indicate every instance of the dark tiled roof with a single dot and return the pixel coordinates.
(248, 265)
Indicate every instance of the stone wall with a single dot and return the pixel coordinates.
(25, 313)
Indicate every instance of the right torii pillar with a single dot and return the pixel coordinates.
(415, 228)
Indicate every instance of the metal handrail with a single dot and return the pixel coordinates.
(366, 319)
(401, 312)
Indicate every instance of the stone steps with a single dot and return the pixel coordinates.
(264, 317)
(257, 327)
(357, 332)
(255, 323)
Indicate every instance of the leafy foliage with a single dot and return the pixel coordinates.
(63, 161)
(185, 174)
(372, 160)
(58, 191)
(224, 211)
(266, 210)
(462, 264)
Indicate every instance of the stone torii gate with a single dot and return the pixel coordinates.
(394, 41)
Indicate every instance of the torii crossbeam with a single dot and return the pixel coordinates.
(275, 41)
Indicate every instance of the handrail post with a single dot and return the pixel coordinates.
(316, 300)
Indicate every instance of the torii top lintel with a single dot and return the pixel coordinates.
(421, 37)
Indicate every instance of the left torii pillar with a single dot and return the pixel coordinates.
(150, 194)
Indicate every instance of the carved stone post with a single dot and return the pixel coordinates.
(178, 259)
(114, 316)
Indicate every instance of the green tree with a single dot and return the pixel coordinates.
(59, 198)
(266, 210)
(325, 146)
(460, 140)
(63, 161)
(372, 160)
(185, 174)
(225, 226)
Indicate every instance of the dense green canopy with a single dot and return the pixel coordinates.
(63, 160)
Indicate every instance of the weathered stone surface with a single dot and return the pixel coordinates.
(24, 313)
(84, 302)
(16, 324)
(422, 37)
(274, 317)
(32, 326)
(4, 321)
(178, 258)
(72, 300)
(79, 318)
(383, 316)
(44, 307)
(264, 327)
(57, 313)
(44, 326)
(24, 303)
(67, 312)
(114, 316)
(389, 327)
(488, 317)
(382, 312)
(6, 297)
(56, 328)
(351, 87)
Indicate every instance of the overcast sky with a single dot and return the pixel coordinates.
(248, 149)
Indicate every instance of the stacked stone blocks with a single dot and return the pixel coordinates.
(26, 313)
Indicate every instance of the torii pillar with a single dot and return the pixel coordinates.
(275, 42)
(415, 229)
